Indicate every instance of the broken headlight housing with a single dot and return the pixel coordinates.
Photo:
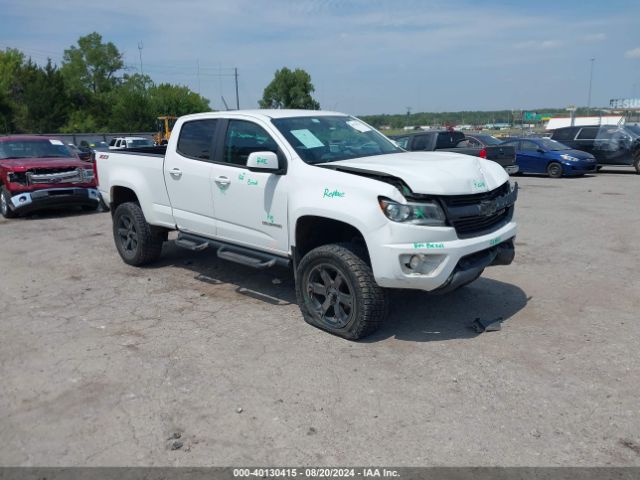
(423, 213)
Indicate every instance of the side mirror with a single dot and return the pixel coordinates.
(263, 162)
(541, 150)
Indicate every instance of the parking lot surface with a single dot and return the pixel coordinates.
(197, 361)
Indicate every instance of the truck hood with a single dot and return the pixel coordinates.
(435, 173)
(23, 164)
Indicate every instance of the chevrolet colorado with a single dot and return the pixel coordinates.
(321, 192)
(38, 172)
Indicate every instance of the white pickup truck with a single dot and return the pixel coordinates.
(321, 192)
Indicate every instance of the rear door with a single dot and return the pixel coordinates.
(188, 175)
(585, 140)
(250, 207)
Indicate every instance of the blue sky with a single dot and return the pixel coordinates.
(364, 56)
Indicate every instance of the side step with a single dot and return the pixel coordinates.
(232, 253)
(190, 244)
(240, 257)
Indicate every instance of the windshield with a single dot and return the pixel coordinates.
(139, 143)
(34, 149)
(549, 144)
(635, 129)
(488, 139)
(331, 138)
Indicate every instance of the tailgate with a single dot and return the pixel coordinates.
(503, 154)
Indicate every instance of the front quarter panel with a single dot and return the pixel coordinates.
(346, 197)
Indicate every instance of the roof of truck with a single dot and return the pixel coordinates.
(267, 113)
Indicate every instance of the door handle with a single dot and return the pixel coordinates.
(175, 172)
(222, 181)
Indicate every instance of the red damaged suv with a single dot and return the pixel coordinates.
(39, 172)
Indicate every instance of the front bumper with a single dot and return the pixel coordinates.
(455, 261)
(578, 168)
(53, 198)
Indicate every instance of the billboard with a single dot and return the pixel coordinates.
(625, 103)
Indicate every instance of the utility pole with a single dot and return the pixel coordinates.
(198, 73)
(592, 59)
(140, 47)
(237, 97)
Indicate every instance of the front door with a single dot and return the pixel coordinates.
(250, 207)
(187, 175)
(530, 159)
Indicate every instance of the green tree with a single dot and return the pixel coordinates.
(43, 105)
(92, 65)
(11, 61)
(177, 100)
(290, 89)
(132, 109)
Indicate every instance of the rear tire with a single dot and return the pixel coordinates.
(337, 292)
(138, 243)
(5, 209)
(554, 170)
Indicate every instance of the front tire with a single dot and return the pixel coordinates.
(337, 292)
(137, 242)
(5, 209)
(554, 169)
(636, 161)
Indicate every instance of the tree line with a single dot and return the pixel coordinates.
(512, 117)
(88, 92)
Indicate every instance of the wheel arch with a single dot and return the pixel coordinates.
(312, 231)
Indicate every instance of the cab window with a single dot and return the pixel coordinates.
(244, 138)
(196, 139)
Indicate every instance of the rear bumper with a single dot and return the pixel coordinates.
(512, 169)
(54, 197)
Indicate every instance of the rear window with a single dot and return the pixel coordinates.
(588, 133)
(34, 149)
(196, 139)
(563, 134)
(139, 143)
(448, 139)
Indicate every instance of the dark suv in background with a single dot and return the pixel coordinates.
(610, 144)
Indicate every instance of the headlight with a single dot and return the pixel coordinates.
(424, 213)
(569, 158)
(87, 173)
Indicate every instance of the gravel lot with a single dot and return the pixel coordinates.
(106, 364)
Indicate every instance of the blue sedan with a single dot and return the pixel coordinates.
(543, 155)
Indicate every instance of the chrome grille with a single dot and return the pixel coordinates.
(55, 176)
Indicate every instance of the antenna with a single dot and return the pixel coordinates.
(140, 47)
(225, 103)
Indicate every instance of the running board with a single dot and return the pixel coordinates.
(232, 253)
(191, 245)
(240, 257)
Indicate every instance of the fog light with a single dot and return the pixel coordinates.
(22, 199)
(415, 262)
(420, 264)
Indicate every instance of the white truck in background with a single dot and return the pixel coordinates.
(322, 192)
(120, 143)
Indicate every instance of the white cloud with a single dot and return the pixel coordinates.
(633, 53)
(538, 44)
